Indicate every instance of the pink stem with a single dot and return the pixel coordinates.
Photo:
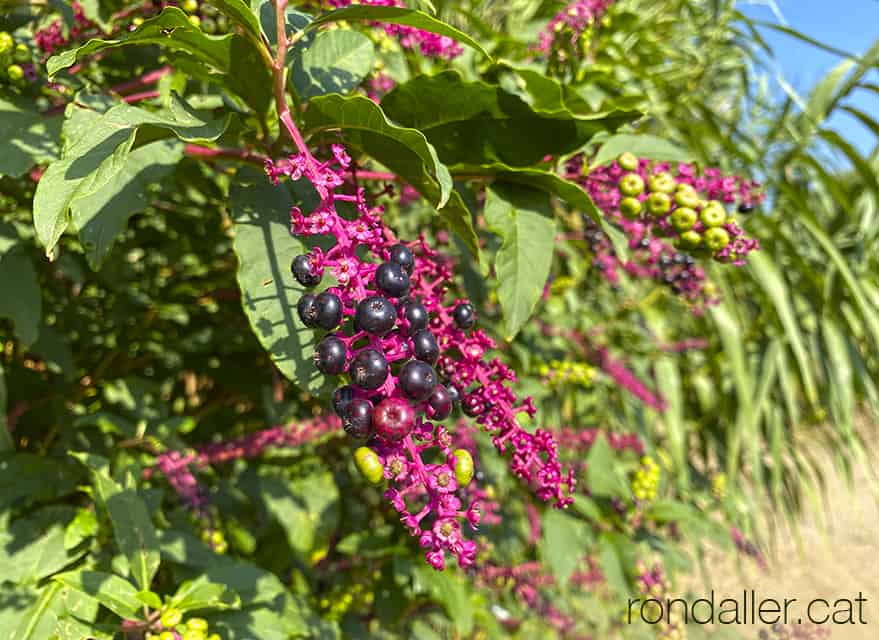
(206, 153)
(143, 95)
(148, 78)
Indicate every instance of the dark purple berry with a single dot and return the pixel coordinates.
(368, 369)
(342, 397)
(746, 207)
(329, 311)
(393, 419)
(330, 355)
(402, 255)
(392, 280)
(357, 421)
(417, 380)
(464, 315)
(415, 315)
(307, 310)
(305, 272)
(454, 394)
(440, 403)
(473, 406)
(424, 346)
(375, 315)
(679, 258)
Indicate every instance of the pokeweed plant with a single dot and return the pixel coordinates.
(336, 321)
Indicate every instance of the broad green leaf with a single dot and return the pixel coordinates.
(611, 563)
(132, 525)
(241, 13)
(603, 476)
(335, 62)
(97, 148)
(269, 292)
(21, 301)
(668, 382)
(476, 123)
(115, 593)
(150, 598)
(33, 477)
(452, 591)
(307, 509)
(38, 621)
(83, 525)
(563, 544)
(29, 137)
(404, 151)
(201, 593)
(30, 552)
(522, 217)
(70, 628)
(643, 146)
(398, 15)
(102, 216)
(280, 620)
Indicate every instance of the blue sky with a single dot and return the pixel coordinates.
(851, 25)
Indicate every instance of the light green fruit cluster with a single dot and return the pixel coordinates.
(215, 539)
(174, 626)
(12, 56)
(645, 482)
(561, 372)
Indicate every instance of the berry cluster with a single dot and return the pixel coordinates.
(205, 16)
(428, 44)
(16, 62)
(174, 627)
(559, 373)
(653, 583)
(645, 482)
(568, 33)
(53, 37)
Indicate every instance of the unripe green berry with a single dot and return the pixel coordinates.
(690, 239)
(658, 204)
(463, 467)
(631, 207)
(171, 618)
(628, 161)
(716, 238)
(687, 198)
(167, 635)
(369, 464)
(683, 218)
(713, 216)
(195, 21)
(189, 6)
(21, 54)
(662, 183)
(15, 72)
(199, 624)
(193, 634)
(631, 184)
(208, 25)
(6, 42)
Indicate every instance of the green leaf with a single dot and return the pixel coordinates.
(602, 474)
(269, 292)
(29, 137)
(21, 301)
(201, 593)
(150, 598)
(84, 525)
(522, 217)
(307, 509)
(30, 552)
(404, 151)
(132, 525)
(241, 13)
(26, 475)
(398, 15)
(611, 563)
(563, 544)
(118, 595)
(643, 146)
(335, 62)
(69, 628)
(450, 590)
(40, 618)
(104, 214)
(476, 123)
(97, 148)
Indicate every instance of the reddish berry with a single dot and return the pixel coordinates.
(393, 419)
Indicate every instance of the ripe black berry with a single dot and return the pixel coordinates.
(402, 255)
(392, 280)
(417, 380)
(368, 369)
(329, 311)
(415, 315)
(679, 258)
(440, 403)
(307, 310)
(305, 273)
(329, 357)
(473, 406)
(464, 315)
(375, 315)
(424, 346)
(342, 397)
(393, 419)
(746, 208)
(357, 421)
